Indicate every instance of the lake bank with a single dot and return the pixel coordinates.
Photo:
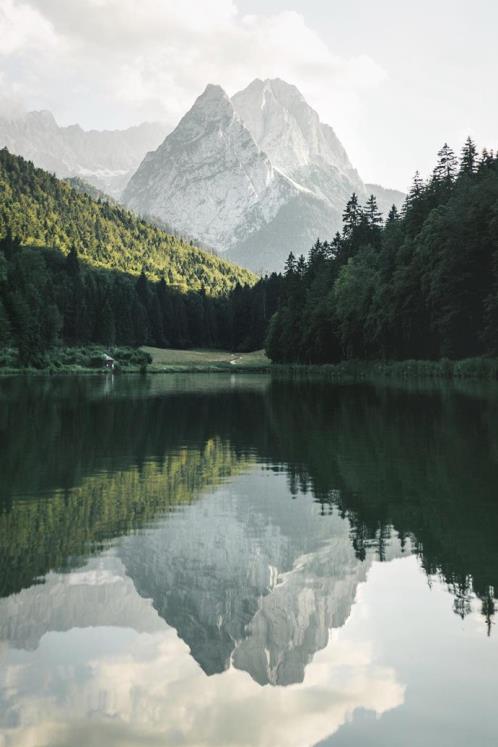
(78, 361)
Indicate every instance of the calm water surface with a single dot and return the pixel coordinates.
(228, 561)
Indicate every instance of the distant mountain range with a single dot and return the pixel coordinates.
(254, 177)
(105, 159)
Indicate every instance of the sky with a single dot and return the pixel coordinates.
(395, 80)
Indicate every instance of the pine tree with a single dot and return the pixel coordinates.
(486, 159)
(352, 215)
(468, 160)
(393, 215)
(301, 265)
(73, 263)
(372, 212)
(416, 190)
(446, 167)
(290, 265)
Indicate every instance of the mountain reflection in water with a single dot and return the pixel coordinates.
(228, 523)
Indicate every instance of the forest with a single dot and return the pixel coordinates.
(423, 284)
(48, 299)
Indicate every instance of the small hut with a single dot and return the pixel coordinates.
(103, 361)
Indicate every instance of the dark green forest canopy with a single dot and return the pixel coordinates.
(423, 284)
(43, 211)
(48, 299)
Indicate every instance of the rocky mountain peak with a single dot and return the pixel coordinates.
(287, 128)
(209, 179)
(213, 103)
(43, 117)
(211, 110)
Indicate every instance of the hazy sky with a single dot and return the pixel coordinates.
(395, 79)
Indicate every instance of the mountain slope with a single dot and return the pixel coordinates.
(295, 228)
(43, 211)
(290, 132)
(106, 159)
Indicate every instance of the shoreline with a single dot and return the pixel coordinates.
(481, 369)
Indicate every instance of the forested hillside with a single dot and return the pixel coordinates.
(78, 271)
(424, 284)
(48, 299)
(41, 210)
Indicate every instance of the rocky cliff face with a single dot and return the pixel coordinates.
(209, 178)
(257, 177)
(290, 132)
(106, 159)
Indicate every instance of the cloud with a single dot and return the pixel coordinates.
(122, 688)
(23, 28)
(117, 62)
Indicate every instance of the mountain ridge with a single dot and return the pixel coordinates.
(104, 158)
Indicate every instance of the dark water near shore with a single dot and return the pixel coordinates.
(230, 560)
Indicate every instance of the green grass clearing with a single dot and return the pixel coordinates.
(210, 360)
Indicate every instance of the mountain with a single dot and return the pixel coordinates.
(289, 131)
(210, 178)
(106, 159)
(256, 176)
(42, 210)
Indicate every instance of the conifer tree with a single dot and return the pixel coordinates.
(301, 265)
(352, 215)
(446, 167)
(469, 159)
(372, 212)
(393, 215)
(290, 265)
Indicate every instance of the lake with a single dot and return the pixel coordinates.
(246, 561)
